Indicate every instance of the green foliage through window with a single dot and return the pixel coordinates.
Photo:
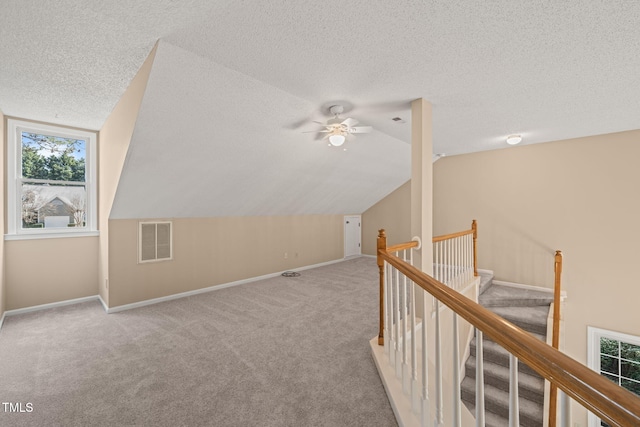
(620, 362)
(53, 158)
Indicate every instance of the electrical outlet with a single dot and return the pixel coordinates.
(106, 283)
(286, 255)
(296, 255)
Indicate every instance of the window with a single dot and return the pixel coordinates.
(154, 241)
(616, 356)
(51, 180)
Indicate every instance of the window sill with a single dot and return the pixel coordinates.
(34, 236)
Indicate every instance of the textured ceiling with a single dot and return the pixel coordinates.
(235, 84)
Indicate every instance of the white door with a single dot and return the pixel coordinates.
(352, 235)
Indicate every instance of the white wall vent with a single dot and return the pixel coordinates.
(155, 241)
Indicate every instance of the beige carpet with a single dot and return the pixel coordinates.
(279, 352)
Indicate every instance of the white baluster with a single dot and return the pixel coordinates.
(406, 379)
(469, 256)
(438, 368)
(565, 409)
(387, 310)
(426, 410)
(435, 261)
(479, 379)
(398, 326)
(436, 254)
(446, 262)
(440, 262)
(392, 315)
(415, 388)
(457, 415)
(514, 406)
(457, 263)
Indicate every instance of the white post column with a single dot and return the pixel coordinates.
(422, 181)
(421, 226)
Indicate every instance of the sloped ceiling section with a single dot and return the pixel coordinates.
(210, 141)
(68, 62)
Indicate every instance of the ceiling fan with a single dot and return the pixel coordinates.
(337, 129)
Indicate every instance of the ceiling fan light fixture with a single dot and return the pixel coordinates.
(514, 139)
(337, 140)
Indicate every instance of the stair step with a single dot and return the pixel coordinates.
(529, 310)
(504, 296)
(486, 281)
(495, 353)
(529, 386)
(490, 419)
(497, 403)
(531, 318)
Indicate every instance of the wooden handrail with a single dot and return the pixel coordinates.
(402, 246)
(555, 336)
(474, 231)
(612, 403)
(451, 236)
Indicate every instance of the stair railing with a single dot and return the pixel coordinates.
(612, 403)
(455, 260)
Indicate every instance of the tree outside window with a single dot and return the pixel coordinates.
(53, 181)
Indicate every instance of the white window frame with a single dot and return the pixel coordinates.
(593, 354)
(15, 127)
(156, 259)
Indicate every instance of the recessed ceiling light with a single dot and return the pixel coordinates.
(514, 139)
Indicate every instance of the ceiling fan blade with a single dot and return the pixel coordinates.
(319, 131)
(361, 129)
(349, 122)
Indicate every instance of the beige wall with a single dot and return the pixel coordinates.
(43, 271)
(213, 251)
(2, 226)
(579, 196)
(393, 213)
(114, 139)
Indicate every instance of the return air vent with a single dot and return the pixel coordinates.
(154, 241)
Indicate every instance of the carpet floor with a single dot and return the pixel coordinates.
(286, 351)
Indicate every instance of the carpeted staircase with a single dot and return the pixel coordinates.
(529, 310)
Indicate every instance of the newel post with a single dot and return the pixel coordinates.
(555, 338)
(555, 343)
(474, 227)
(381, 246)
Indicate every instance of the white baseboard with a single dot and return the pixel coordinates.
(154, 300)
(104, 304)
(209, 289)
(49, 305)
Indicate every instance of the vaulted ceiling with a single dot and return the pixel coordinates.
(235, 85)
